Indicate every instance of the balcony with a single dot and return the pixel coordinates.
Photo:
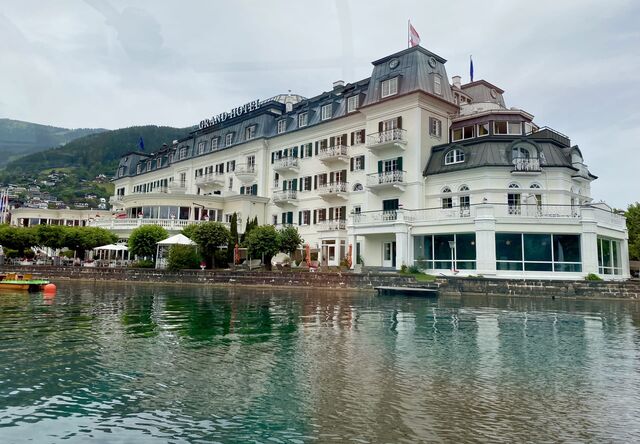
(212, 180)
(377, 217)
(386, 179)
(523, 166)
(394, 138)
(284, 197)
(177, 187)
(246, 173)
(286, 164)
(331, 190)
(333, 154)
(332, 225)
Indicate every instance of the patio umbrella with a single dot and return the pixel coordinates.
(236, 254)
(349, 255)
(308, 255)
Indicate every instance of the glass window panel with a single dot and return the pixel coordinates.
(560, 267)
(536, 266)
(422, 248)
(500, 127)
(508, 246)
(614, 253)
(515, 128)
(184, 213)
(537, 247)
(483, 129)
(164, 212)
(566, 248)
(509, 266)
(466, 265)
(466, 246)
(606, 253)
(441, 247)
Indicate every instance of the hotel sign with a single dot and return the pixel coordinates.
(235, 112)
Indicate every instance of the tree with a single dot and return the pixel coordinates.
(17, 238)
(143, 240)
(290, 239)
(251, 224)
(210, 236)
(234, 229)
(190, 230)
(263, 242)
(182, 257)
(633, 227)
(50, 236)
(80, 239)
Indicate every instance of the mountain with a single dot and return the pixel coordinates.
(19, 138)
(91, 155)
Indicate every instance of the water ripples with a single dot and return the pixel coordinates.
(140, 363)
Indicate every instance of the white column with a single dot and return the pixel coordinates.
(589, 241)
(352, 239)
(402, 257)
(485, 226)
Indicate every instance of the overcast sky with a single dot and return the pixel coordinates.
(574, 64)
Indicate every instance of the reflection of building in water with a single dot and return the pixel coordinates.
(404, 166)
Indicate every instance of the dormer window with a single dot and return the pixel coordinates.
(138, 169)
(352, 104)
(182, 153)
(303, 119)
(148, 165)
(327, 112)
(389, 87)
(483, 129)
(214, 143)
(437, 84)
(250, 132)
(158, 162)
(282, 126)
(510, 128)
(454, 156)
(201, 147)
(228, 139)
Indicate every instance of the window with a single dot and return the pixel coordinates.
(434, 251)
(201, 147)
(138, 169)
(274, 219)
(483, 129)
(538, 252)
(454, 156)
(327, 112)
(357, 163)
(214, 143)
(437, 84)
(358, 187)
(231, 166)
(528, 128)
(513, 203)
(250, 132)
(302, 120)
(182, 153)
(389, 87)
(512, 128)
(357, 137)
(183, 180)
(158, 162)
(609, 261)
(447, 201)
(230, 183)
(282, 126)
(435, 127)
(304, 217)
(148, 165)
(352, 104)
(305, 183)
(466, 132)
(228, 139)
(251, 162)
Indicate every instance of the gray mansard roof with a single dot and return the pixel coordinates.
(497, 151)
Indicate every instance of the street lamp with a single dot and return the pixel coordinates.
(452, 246)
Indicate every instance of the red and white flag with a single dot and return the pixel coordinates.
(414, 37)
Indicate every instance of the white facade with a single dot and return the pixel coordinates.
(371, 165)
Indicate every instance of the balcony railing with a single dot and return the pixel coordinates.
(286, 163)
(285, 195)
(393, 137)
(334, 188)
(386, 178)
(375, 217)
(210, 179)
(177, 187)
(332, 153)
(526, 165)
(246, 172)
(132, 223)
(332, 225)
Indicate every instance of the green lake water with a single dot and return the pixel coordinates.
(120, 363)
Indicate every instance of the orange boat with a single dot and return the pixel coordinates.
(24, 282)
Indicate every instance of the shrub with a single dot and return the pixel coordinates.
(143, 263)
(413, 269)
(263, 241)
(592, 277)
(221, 258)
(290, 240)
(143, 240)
(209, 236)
(403, 268)
(182, 257)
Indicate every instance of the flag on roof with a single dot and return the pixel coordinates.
(414, 37)
(141, 144)
(471, 67)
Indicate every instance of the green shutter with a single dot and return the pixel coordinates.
(254, 189)
(379, 166)
(295, 185)
(400, 163)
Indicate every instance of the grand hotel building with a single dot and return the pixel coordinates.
(405, 166)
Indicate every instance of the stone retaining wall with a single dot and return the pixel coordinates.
(512, 287)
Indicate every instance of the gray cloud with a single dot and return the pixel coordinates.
(95, 63)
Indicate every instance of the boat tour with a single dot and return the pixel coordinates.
(24, 282)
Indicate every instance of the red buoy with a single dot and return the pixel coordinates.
(50, 289)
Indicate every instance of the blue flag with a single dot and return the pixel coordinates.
(141, 144)
(471, 68)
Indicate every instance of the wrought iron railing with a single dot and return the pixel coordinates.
(386, 177)
(384, 137)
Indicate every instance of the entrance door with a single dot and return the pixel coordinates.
(389, 254)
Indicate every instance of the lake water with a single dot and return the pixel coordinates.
(139, 363)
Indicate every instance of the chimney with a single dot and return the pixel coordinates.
(338, 84)
(456, 81)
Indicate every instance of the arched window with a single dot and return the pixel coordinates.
(513, 199)
(465, 201)
(447, 201)
(514, 185)
(357, 187)
(520, 152)
(535, 186)
(463, 188)
(454, 156)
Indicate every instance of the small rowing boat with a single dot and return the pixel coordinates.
(24, 282)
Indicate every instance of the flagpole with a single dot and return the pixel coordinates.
(408, 34)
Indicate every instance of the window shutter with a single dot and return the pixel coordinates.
(295, 185)
(310, 148)
(353, 137)
(299, 217)
(380, 126)
(290, 217)
(351, 162)
(399, 122)
(302, 151)
(331, 213)
(400, 163)
(343, 212)
(284, 185)
(317, 147)
(295, 151)
(344, 139)
(379, 166)
(362, 162)
(332, 141)
(284, 218)
(254, 189)
(315, 182)
(241, 190)
(344, 175)
(315, 216)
